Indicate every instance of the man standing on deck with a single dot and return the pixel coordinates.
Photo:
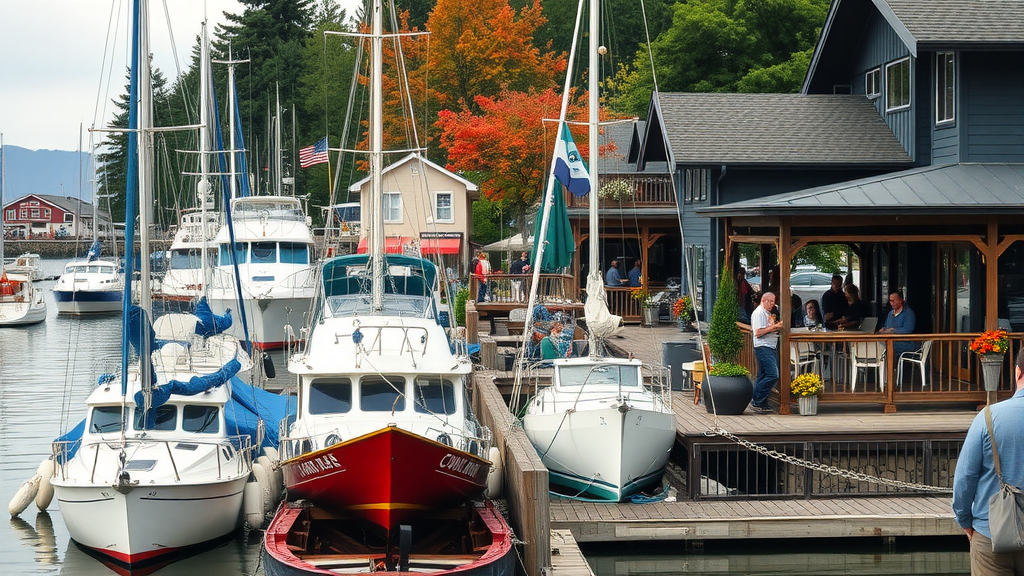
(975, 480)
(766, 326)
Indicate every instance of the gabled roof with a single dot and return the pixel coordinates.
(617, 161)
(777, 130)
(470, 187)
(65, 203)
(930, 190)
(919, 24)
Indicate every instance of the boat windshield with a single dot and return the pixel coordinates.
(394, 305)
(264, 209)
(626, 375)
(434, 396)
(186, 260)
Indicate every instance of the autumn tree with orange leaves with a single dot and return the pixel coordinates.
(508, 145)
(483, 47)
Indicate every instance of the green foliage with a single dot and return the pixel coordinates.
(724, 337)
(460, 306)
(488, 225)
(783, 77)
(825, 257)
(728, 369)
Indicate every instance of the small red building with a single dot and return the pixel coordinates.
(45, 216)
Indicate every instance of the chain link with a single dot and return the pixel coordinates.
(831, 470)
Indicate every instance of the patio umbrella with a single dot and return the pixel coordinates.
(559, 244)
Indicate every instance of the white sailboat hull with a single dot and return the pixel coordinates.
(22, 310)
(273, 321)
(150, 521)
(607, 452)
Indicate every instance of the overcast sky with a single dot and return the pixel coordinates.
(52, 58)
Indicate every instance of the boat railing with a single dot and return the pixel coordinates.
(376, 343)
(479, 445)
(233, 450)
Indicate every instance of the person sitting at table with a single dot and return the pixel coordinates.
(856, 309)
(833, 301)
(900, 320)
(612, 277)
(812, 314)
(796, 312)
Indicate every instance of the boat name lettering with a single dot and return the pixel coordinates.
(319, 464)
(460, 465)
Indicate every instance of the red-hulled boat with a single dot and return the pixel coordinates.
(471, 540)
(387, 476)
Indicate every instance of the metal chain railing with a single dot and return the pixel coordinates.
(831, 470)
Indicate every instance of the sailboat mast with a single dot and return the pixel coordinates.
(278, 168)
(203, 187)
(594, 245)
(376, 160)
(145, 141)
(3, 176)
(231, 122)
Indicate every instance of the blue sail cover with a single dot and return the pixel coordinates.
(249, 405)
(74, 436)
(195, 385)
(94, 251)
(209, 323)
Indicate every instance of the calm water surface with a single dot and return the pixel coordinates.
(46, 372)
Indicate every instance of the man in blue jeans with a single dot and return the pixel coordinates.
(766, 344)
(975, 480)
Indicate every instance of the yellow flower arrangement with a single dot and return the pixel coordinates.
(809, 384)
(991, 342)
(642, 296)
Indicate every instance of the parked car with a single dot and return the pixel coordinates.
(810, 285)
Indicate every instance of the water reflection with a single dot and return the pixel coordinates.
(39, 538)
(236, 556)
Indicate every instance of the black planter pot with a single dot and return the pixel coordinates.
(727, 395)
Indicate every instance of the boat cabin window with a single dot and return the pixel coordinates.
(382, 394)
(264, 252)
(93, 269)
(434, 396)
(201, 419)
(166, 419)
(107, 269)
(294, 253)
(330, 396)
(186, 259)
(599, 375)
(105, 419)
(241, 250)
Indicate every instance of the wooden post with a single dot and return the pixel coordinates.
(785, 311)
(992, 286)
(472, 323)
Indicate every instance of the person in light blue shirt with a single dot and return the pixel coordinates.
(975, 480)
(901, 320)
(612, 276)
(634, 275)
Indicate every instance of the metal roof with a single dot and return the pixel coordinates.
(931, 190)
(778, 130)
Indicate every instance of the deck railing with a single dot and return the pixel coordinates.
(648, 190)
(515, 288)
(853, 371)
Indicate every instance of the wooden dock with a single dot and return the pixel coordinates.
(684, 519)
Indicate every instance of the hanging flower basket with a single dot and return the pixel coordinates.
(991, 347)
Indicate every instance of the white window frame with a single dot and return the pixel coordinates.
(389, 198)
(945, 83)
(873, 83)
(889, 107)
(69, 218)
(451, 208)
(12, 214)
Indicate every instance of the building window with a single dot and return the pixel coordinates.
(35, 213)
(33, 202)
(24, 213)
(897, 85)
(11, 214)
(696, 264)
(696, 184)
(47, 213)
(443, 208)
(392, 207)
(69, 218)
(873, 83)
(945, 102)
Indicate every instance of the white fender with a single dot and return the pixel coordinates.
(45, 494)
(24, 496)
(263, 480)
(252, 503)
(271, 452)
(278, 475)
(494, 476)
(273, 485)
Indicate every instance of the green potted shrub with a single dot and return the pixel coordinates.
(728, 388)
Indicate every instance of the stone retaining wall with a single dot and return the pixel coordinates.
(67, 249)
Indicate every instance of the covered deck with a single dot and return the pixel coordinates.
(949, 237)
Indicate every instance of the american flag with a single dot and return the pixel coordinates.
(316, 154)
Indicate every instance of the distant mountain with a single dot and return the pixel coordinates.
(53, 172)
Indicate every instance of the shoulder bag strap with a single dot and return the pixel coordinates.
(995, 451)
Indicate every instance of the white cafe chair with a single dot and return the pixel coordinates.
(918, 357)
(867, 356)
(804, 358)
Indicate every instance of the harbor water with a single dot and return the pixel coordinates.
(47, 371)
